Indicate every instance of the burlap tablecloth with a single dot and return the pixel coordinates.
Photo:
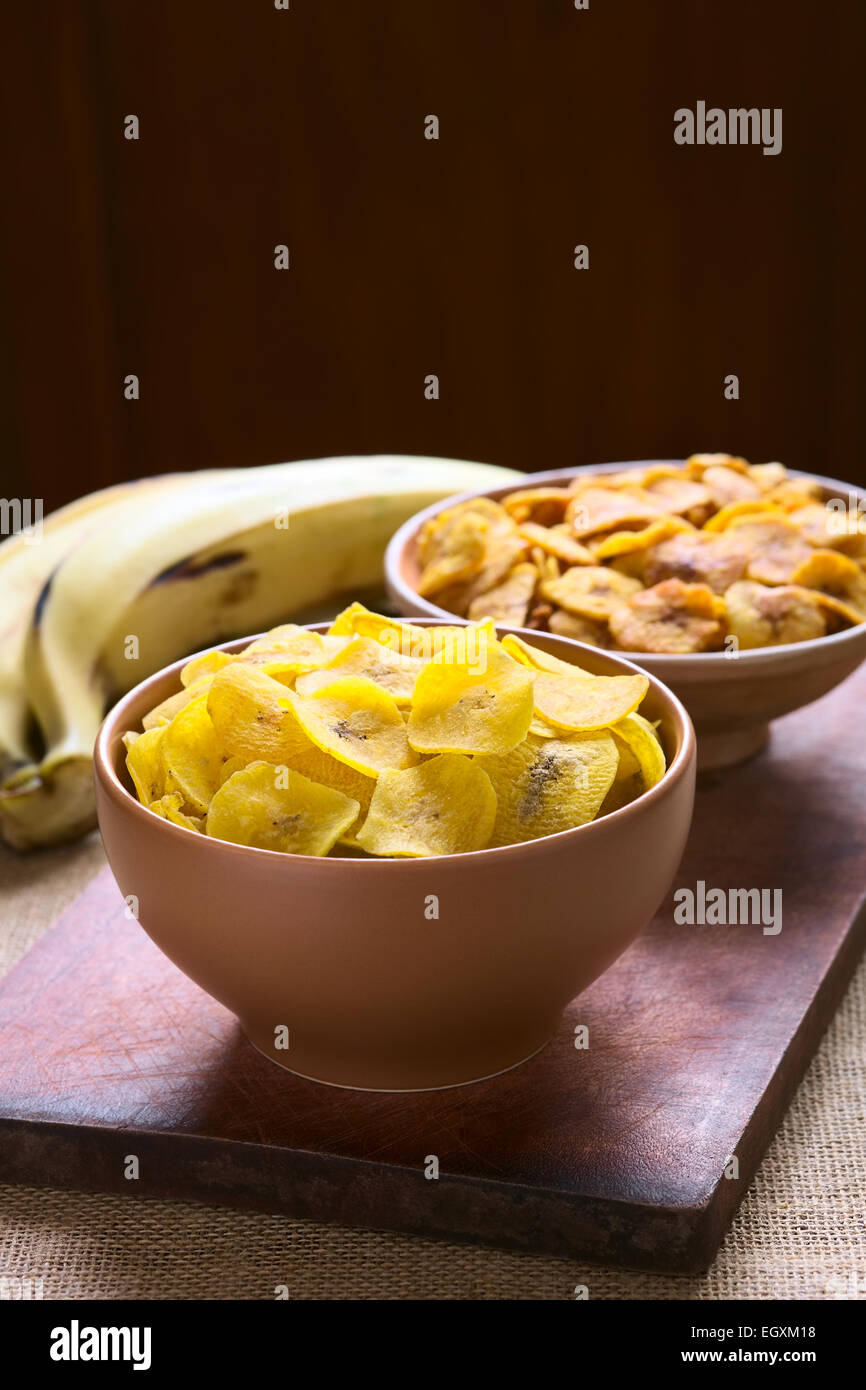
(800, 1233)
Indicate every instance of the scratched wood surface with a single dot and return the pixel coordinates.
(697, 1038)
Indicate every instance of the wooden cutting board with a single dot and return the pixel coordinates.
(697, 1039)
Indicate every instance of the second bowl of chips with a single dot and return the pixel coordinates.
(732, 695)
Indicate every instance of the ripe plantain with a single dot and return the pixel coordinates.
(176, 569)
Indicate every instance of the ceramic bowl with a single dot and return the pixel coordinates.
(731, 699)
(399, 974)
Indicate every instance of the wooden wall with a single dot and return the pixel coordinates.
(411, 256)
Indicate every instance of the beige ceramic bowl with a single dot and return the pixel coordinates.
(343, 952)
(731, 700)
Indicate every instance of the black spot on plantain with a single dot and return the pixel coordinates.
(192, 567)
(41, 601)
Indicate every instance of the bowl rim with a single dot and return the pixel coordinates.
(679, 661)
(117, 720)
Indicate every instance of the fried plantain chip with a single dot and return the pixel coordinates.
(509, 602)
(557, 541)
(591, 592)
(644, 747)
(625, 542)
(682, 496)
(145, 763)
(459, 554)
(767, 475)
(697, 464)
(764, 616)
(391, 670)
(356, 721)
(276, 808)
(245, 705)
(671, 617)
(774, 545)
(292, 653)
(445, 805)
(170, 808)
(697, 557)
(580, 703)
(735, 511)
(542, 506)
(530, 654)
(205, 665)
(193, 753)
(164, 712)
(547, 785)
(727, 485)
(565, 624)
(838, 580)
(459, 707)
(600, 508)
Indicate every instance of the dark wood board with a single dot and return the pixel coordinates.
(697, 1039)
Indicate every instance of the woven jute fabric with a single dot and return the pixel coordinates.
(799, 1234)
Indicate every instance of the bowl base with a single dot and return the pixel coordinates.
(268, 1052)
(724, 748)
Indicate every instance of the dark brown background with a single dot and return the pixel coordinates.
(409, 256)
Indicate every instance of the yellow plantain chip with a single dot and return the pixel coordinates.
(278, 809)
(230, 766)
(600, 508)
(499, 560)
(193, 753)
(205, 665)
(356, 721)
(579, 629)
(406, 638)
(458, 557)
(793, 492)
(435, 538)
(727, 484)
(164, 713)
(592, 591)
(471, 707)
(543, 506)
(774, 546)
(246, 706)
(767, 475)
(557, 541)
(445, 805)
(579, 703)
(330, 772)
(508, 603)
(545, 786)
(829, 530)
(761, 616)
(644, 747)
(625, 542)
(697, 464)
(680, 495)
(671, 618)
(735, 511)
(391, 670)
(144, 762)
(697, 557)
(528, 654)
(170, 808)
(293, 654)
(838, 580)
(452, 545)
